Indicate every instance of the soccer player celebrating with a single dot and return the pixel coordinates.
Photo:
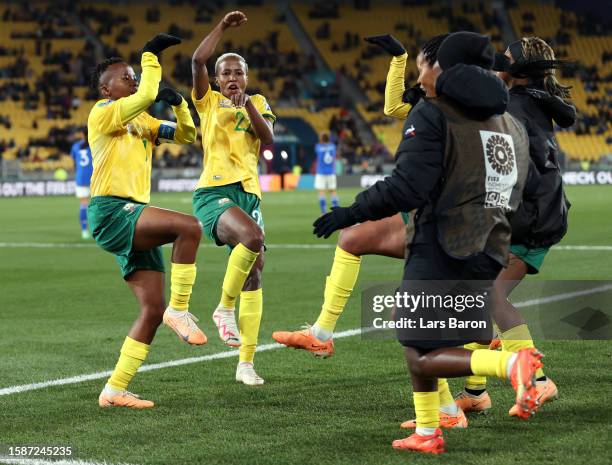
(536, 99)
(325, 179)
(386, 236)
(461, 232)
(83, 167)
(227, 198)
(121, 137)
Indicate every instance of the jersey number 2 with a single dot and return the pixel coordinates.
(241, 119)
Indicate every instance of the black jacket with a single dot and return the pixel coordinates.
(419, 159)
(541, 220)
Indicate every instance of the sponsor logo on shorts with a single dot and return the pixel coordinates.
(129, 207)
(223, 201)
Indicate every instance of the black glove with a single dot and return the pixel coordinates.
(413, 94)
(159, 43)
(388, 43)
(170, 96)
(338, 218)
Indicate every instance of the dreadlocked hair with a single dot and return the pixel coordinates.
(94, 77)
(537, 51)
(430, 48)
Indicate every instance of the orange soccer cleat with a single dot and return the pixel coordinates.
(432, 444)
(305, 340)
(123, 399)
(523, 381)
(471, 403)
(184, 325)
(546, 392)
(446, 421)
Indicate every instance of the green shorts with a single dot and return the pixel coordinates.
(533, 258)
(112, 221)
(209, 203)
(405, 217)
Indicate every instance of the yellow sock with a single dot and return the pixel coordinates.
(487, 362)
(132, 355)
(446, 398)
(518, 338)
(338, 288)
(251, 303)
(182, 277)
(426, 406)
(238, 268)
(473, 381)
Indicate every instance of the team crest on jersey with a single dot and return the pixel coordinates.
(223, 201)
(129, 207)
(225, 104)
(410, 132)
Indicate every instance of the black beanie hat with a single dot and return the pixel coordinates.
(468, 48)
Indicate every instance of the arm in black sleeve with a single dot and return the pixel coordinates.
(418, 168)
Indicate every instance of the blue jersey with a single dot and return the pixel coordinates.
(326, 158)
(81, 154)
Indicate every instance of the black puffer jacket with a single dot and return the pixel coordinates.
(418, 172)
(541, 220)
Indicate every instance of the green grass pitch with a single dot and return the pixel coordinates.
(64, 311)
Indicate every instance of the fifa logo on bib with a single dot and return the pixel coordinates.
(500, 154)
(500, 164)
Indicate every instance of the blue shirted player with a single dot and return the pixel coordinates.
(325, 178)
(81, 154)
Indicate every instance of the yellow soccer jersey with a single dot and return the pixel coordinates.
(231, 148)
(121, 137)
(121, 154)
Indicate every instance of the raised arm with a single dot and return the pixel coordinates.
(135, 104)
(394, 90)
(206, 49)
(183, 131)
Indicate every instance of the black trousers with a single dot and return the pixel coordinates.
(430, 270)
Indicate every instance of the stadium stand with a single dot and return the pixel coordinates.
(46, 52)
(591, 82)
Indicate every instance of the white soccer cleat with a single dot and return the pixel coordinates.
(245, 373)
(226, 324)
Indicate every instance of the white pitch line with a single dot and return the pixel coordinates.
(90, 245)
(582, 247)
(564, 296)
(7, 460)
(155, 366)
(262, 348)
(75, 245)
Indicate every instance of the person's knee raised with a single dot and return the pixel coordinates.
(349, 241)
(416, 366)
(254, 239)
(192, 228)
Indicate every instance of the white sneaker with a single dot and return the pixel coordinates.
(85, 235)
(226, 324)
(245, 373)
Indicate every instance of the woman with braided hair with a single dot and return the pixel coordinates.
(536, 100)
